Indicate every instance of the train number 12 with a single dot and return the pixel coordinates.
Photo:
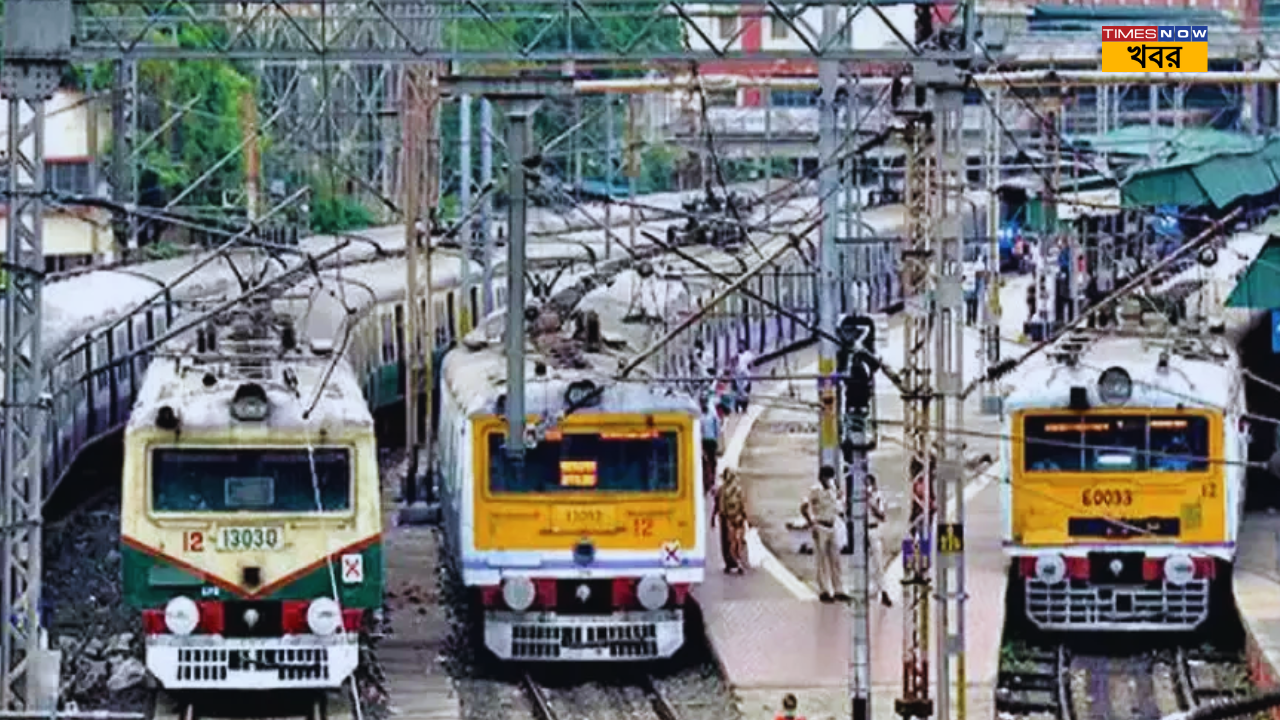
(193, 541)
(643, 527)
(1209, 490)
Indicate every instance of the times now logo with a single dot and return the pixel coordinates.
(1180, 33)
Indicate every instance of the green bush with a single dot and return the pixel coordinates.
(339, 214)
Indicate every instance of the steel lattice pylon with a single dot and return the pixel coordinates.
(27, 80)
(916, 396)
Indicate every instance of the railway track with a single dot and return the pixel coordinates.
(1054, 683)
(638, 700)
(1203, 675)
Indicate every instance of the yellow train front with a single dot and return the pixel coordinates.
(589, 550)
(1124, 483)
(251, 534)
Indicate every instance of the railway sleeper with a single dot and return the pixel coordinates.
(1029, 680)
(1026, 702)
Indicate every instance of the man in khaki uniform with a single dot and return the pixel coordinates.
(822, 509)
(876, 515)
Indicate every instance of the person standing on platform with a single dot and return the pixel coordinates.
(876, 516)
(731, 507)
(821, 509)
(710, 445)
(742, 381)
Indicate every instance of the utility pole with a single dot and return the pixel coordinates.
(464, 209)
(609, 160)
(420, 167)
(917, 254)
(252, 156)
(486, 209)
(991, 398)
(828, 258)
(411, 167)
(37, 45)
(948, 314)
(519, 118)
(124, 175)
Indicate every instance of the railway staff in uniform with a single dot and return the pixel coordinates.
(731, 507)
(821, 509)
(876, 515)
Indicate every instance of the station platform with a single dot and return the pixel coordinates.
(766, 628)
(1256, 586)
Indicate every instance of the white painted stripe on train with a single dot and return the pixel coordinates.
(769, 562)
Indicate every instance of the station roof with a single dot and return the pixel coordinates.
(1206, 179)
(1259, 287)
(1175, 145)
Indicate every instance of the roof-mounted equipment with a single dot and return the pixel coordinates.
(250, 403)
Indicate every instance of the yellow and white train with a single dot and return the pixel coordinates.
(1125, 461)
(588, 550)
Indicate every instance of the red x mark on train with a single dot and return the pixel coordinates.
(671, 553)
(352, 567)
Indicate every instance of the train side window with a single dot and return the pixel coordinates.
(1179, 444)
(398, 346)
(442, 322)
(452, 310)
(388, 340)
(475, 303)
(122, 351)
(101, 361)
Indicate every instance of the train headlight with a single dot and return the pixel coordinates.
(1051, 569)
(181, 615)
(324, 616)
(1115, 386)
(1179, 569)
(518, 592)
(652, 592)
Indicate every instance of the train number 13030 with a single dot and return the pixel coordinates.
(1107, 497)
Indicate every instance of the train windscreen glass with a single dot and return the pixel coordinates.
(576, 462)
(1119, 443)
(257, 480)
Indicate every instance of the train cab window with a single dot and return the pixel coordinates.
(625, 462)
(1051, 444)
(257, 480)
(1179, 444)
(1115, 444)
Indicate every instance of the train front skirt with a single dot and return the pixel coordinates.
(203, 662)
(624, 636)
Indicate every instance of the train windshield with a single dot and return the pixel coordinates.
(251, 480)
(644, 461)
(1121, 443)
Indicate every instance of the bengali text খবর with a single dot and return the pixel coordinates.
(1157, 54)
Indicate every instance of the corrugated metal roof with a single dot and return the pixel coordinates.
(1205, 178)
(1188, 145)
(1259, 289)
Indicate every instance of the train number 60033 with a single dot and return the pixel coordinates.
(1109, 497)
